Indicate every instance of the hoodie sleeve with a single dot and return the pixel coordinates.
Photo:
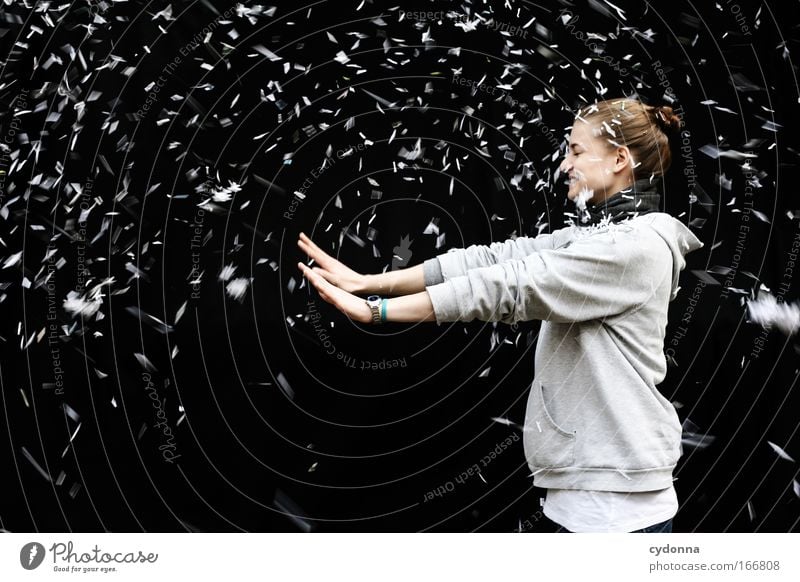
(457, 262)
(593, 278)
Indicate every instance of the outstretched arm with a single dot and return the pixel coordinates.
(455, 262)
(408, 308)
(595, 278)
(401, 282)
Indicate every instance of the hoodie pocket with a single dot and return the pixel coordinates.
(547, 445)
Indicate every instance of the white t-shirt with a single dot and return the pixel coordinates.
(609, 511)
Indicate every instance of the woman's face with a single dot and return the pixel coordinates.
(592, 163)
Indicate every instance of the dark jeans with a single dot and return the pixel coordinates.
(663, 527)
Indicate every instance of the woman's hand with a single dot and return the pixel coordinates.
(353, 307)
(330, 269)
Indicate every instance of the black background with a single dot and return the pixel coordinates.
(346, 449)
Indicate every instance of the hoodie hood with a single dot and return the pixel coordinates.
(680, 241)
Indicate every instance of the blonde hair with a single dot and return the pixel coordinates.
(644, 129)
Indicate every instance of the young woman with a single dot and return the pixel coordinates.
(598, 434)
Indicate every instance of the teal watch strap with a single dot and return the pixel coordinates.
(383, 310)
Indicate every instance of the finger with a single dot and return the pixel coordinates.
(308, 241)
(315, 253)
(305, 238)
(327, 275)
(316, 278)
(307, 273)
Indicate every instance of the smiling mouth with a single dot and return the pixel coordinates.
(573, 179)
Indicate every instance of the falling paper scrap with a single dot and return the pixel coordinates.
(284, 385)
(150, 320)
(583, 196)
(781, 453)
(237, 288)
(291, 510)
(507, 422)
(693, 438)
(145, 362)
(767, 312)
(36, 465)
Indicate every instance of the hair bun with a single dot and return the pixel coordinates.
(666, 119)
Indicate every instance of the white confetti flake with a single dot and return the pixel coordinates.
(144, 362)
(781, 453)
(768, 313)
(180, 312)
(751, 511)
(760, 215)
(35, 465)
(432, 228)
(283, 383)
(79, 306)
(12, 260)
(266, 52)
(237, 288)
(226, 272)
(580, 202)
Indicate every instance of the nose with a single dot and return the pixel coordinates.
(566, 165)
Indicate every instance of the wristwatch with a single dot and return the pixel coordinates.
(374, 303)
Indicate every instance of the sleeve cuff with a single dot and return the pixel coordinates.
(433, 272)
(445, 302)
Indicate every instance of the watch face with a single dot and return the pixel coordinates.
(373, 298)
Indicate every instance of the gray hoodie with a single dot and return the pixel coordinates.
(594, 419)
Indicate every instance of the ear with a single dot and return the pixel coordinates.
(623, 159)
